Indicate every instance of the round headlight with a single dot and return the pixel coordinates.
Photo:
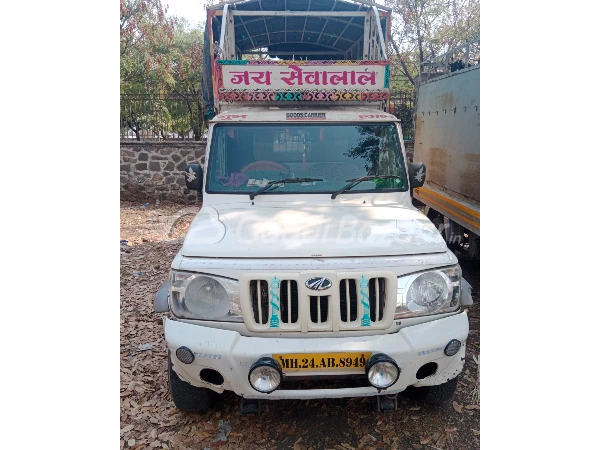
(265, 375)
(428, 291)
(206, 297)
(382, 371)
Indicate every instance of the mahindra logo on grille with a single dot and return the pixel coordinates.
(318, 283)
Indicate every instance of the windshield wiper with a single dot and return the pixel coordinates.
(355, 181)
(275, 183)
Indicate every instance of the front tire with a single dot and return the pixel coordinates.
(187, 397)
(437, 394)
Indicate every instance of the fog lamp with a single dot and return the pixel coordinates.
(382, 371)
(452, 348)
(265, 375)
(184, 355)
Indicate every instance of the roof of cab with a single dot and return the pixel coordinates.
(279, 114)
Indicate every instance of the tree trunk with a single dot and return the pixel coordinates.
(402, 63)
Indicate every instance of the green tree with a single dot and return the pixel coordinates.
(146, 39)
(424, 29)
(187, 56)
(147, 35)
(161, 61)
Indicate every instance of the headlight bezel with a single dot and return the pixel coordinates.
(180, 280)
(450, 274)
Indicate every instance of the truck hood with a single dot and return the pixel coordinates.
(280, 231)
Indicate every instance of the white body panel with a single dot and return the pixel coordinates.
(261, 114)
(271, 229)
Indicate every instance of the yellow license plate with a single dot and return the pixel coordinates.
(322, 361)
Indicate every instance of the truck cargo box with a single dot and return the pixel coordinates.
(447, 136)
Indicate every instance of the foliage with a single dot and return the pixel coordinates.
(404, 112)
(160, 55)
(147, 35)
(187, 56)
(423, 29)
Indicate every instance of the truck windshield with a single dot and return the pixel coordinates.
(244, 158)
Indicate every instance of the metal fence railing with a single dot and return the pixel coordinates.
(162, 117)
(173, 117)
(402, 105)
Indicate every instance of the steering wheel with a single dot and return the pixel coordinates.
(266, 165)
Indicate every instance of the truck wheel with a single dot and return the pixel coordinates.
(437, 394)
(187, 397)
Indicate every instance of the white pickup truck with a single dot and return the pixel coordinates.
(308, 272)
(291, 272)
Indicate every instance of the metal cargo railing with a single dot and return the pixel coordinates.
(458, 58)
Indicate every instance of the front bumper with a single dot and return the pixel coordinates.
(232, 354)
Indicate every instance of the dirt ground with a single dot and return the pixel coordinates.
(153, 235)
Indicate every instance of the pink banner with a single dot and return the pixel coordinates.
(303, 77)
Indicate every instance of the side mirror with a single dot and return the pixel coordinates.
(416, 175)
(193, 177)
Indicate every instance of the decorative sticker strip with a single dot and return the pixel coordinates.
(366, 318)
(288, 96)
(274, 302)
(333, 95)
(232, 62)
(386, 81)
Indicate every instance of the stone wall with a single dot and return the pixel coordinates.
(152, 171)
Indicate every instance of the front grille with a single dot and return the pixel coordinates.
(289, 301)
(376, 298)
(262, 308)
(319, 308)
(370, 293)
(352, 302)
(348, 301)
(260, 301)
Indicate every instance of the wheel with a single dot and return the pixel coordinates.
(187, 397)
(436, 394)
